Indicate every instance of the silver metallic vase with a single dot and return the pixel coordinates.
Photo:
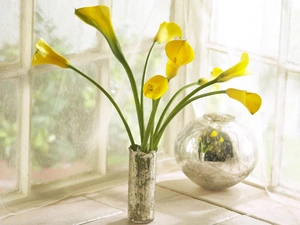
(215, 151)
(141, 186)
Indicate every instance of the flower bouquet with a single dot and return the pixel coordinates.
(178, 52)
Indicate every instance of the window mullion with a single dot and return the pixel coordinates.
(104, 113)
(26, 28)
(177, 15)
(281, 90)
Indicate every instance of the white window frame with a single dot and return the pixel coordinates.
(179, 14)
(24, 71)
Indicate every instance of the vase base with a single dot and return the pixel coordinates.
(140, 221)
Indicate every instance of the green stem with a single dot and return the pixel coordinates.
(135, 95)
(199, 89)
(149, 128)
(142, 86)
(177, 109)
(110, 99)
(169, 104)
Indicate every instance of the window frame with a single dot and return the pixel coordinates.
(272, 182)
(180, 14)
(23, 71)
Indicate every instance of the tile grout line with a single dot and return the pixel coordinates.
(98, 218)
(104, 203)
(222, 206)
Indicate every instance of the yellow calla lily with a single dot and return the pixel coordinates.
(155, 87)
(167, 31)
(179, 52)
(44, 54)
(100, 18)
(235, 71)
(252, 101)
(171, 69)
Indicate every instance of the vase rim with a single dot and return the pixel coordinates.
(138, 147)
(219, 117)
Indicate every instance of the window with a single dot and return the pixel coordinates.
(56, 128)
(269, 32)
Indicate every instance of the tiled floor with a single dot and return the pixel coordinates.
(178, 201)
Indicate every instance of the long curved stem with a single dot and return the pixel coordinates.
(199, 89)
(135, 95)
(169, 104)
(110, 99)
(149, 128)
(142, 85)
(177, 109)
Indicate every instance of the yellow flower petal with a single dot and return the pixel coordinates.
(237, 70)
(167, 31)
(179, 52)
(221, 140)
(252, 101)
(44, 54)
(171, 69)
(155, 87)
(214, 133)
(216, 72)
(100, 18)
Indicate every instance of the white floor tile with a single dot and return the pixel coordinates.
(70, 211)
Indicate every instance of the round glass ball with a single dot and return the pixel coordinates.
(215, 152)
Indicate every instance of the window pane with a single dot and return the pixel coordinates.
(8, 135)
(134, 19)
(56, 23)
(294, 35)
(249, 25)
(64, 135)
(291, 134)
(10, 32)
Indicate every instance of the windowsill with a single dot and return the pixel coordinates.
(178, 201)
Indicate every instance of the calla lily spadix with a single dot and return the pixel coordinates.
(167, 31)
(44, 54)
(252, 101)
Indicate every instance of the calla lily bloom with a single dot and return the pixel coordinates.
(171, 69)
(179, 52)
(235, 71)
(155, 87)
(167, 31)
(252, 101)
(44, 54)
(99, 17)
